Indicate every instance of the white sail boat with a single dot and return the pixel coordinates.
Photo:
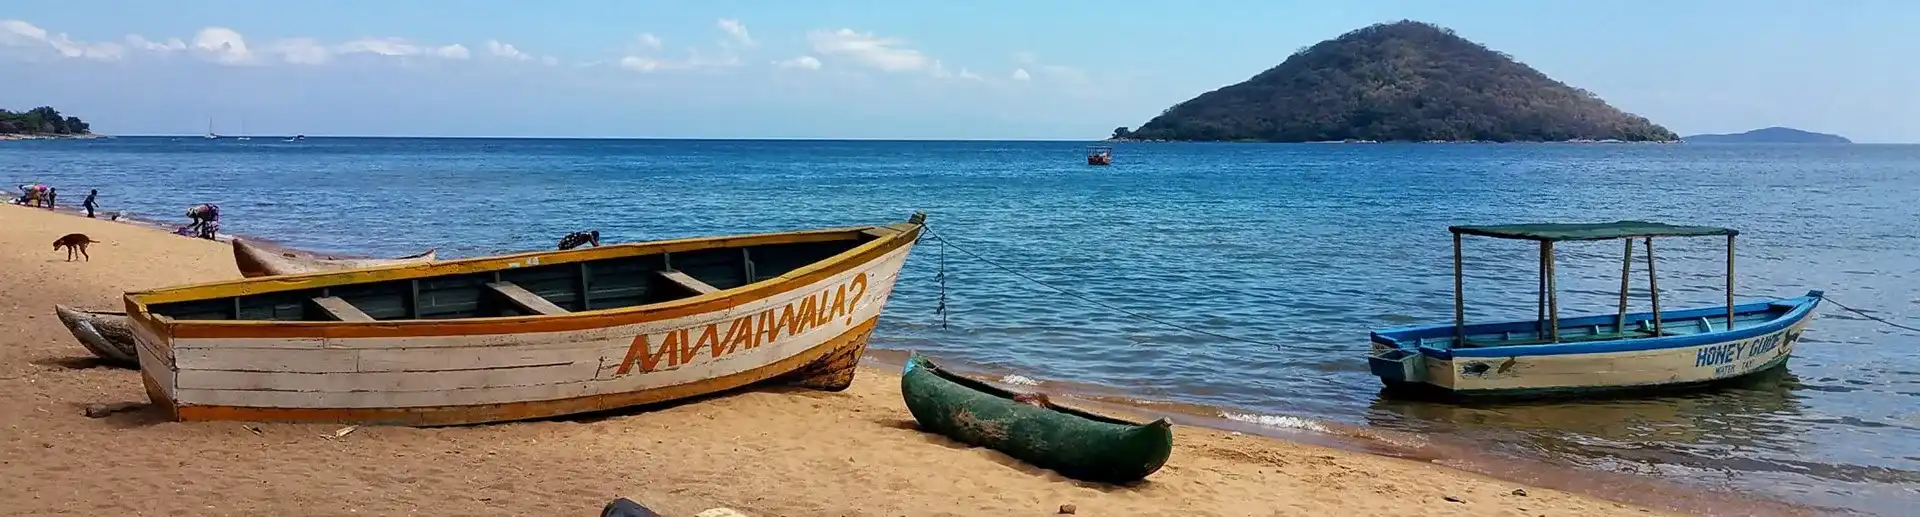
(210, 134)
(243, 130)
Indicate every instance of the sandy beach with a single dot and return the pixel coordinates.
(765, 453)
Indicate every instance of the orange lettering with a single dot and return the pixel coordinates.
(768, 330)
(801, 317)
(708, 336)
(635, 351)
(740, 334)
(839, 303)
(860, 288)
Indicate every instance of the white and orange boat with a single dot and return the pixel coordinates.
(522, 336)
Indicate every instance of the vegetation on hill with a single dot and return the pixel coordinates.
(1771, 135)
(1402, 81)
(41, 121)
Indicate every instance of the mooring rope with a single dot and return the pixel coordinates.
(944, 243)
(1864, 314)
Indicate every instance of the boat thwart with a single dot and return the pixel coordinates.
(522, 336)
(1620, 351)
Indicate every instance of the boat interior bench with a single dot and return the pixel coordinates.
(524, 300)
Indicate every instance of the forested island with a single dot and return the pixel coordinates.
(1405, 81)
(1771, 135)
(42, 122)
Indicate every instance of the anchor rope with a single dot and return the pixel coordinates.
(1864, 314)
(944, 243)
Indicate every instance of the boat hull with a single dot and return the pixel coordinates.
(255, 261)
(808, 328)
(108, 335)
(1073, 445)
(1647, 364)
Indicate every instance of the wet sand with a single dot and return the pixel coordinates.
(764, 452)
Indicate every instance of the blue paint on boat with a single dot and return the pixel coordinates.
(1438, 340)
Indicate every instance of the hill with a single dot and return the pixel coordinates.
(1402, 81)
(1771, 135)
(43, 120)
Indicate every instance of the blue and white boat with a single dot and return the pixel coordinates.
(1620, 351)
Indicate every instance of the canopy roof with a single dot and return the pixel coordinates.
(1589, 231)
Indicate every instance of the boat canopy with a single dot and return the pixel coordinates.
(1548, 306)
(1590, 231)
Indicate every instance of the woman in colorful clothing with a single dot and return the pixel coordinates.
(206, 220)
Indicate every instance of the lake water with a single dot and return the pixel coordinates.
(1301, 249)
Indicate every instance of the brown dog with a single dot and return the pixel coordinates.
(75, 242)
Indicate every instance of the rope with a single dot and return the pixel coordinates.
(1864, 314)
(946, 243)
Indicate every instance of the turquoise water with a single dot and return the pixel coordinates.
(1299, 248)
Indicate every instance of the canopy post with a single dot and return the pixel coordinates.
(1553, 296)
(1459, 296)
(1729, 282)
(1540, 300)
(1653, 286)
(1626, 272)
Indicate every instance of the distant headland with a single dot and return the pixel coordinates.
(41, 122)
(1771, 135)
(1405, 81)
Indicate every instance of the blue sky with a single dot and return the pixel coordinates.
(867, 69)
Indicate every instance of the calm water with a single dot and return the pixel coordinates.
(1304, 247)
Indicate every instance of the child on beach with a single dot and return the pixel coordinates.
(50, 192)
(89, 203)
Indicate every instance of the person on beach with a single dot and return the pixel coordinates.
(90, 204)
(575, 239)
(50, 193)
(206, 220)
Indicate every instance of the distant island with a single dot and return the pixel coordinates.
(1405, 81)
(1771, 135)
(41, 122)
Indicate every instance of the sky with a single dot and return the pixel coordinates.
(992, 69)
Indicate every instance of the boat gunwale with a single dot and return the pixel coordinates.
(1802, 309)
(917, 361)
(137, 302)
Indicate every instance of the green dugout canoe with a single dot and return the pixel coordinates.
(1075, 443)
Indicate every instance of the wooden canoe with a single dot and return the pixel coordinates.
(1075, 443)
(107, 334)
(257, 261)
(522, 336)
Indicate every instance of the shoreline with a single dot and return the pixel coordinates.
(1276, 452)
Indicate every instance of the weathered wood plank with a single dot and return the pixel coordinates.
(448, 359)
(267, 360)
(879, 232)
(691, 283)
(338, 309)
(392, 382)
(524, 299)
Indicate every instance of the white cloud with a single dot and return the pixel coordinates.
(301, 51)
(649, 41)
(549, 60)
(170, 45)
(642, 64)
(223, 45)
(802, 62)
(505, 51)
(886, 54)
(969, 75)
(1027, 60)
(736, 30)
(19, 33)
(1020, 74)
(398, 47)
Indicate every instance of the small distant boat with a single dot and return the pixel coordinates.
(256, 261)
(1099, 155)
(243, 131)
(1075, 443)
(108, 334)
(1612, 352)
(210, 134)
(296, 138)
(524, 336)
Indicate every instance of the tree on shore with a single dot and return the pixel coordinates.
(43, 120)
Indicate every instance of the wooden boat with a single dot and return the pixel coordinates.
(1608, 352)
(1075, 443)
(256, 261)
(107, 334)
(522, 336)
(1099, 155)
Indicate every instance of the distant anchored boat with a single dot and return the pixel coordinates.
(1099, 155)
(522, 336)
(1550, 355)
